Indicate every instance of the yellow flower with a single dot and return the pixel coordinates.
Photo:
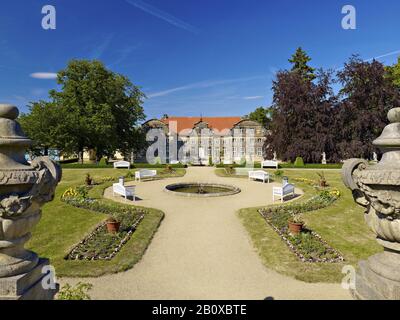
(70, 193)
(335, 193)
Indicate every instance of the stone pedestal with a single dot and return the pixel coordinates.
(377, 188)
(378, 278)
(32, 285)
(24, 188)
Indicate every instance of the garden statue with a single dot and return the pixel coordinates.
(323, 158)
(375, 157)
(377, 188)
(275, 156)
(24, 188)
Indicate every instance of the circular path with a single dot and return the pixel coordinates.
(201, 250)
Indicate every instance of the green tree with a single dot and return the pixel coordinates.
(393, 73)
(300, 62)
(41, 125)
(261, 115)
(101, 109)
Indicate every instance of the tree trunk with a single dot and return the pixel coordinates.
(80, 156)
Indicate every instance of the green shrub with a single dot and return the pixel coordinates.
(157, 160)
(130, 175)
(279, 173)
(82, 192)
(79, 292)
(103, 162)
(299, 163)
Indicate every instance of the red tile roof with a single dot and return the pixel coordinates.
(216, 123)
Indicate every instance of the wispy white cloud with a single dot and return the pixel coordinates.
(102, 47)
(253, 98)
(44, 75)
(163, 15)
(385, 55)
(389, 54)
(201, 85)
(124, 53)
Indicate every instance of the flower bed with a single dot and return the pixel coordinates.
(308, 246)
(99, 244)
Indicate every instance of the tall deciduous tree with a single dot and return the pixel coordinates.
(367, 95)
(302, 114)
(41, 125)
(94, 109)
(393, 73)
(101, 109)
(261, 115)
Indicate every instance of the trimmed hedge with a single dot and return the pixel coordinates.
(223, 166)
(312, 166)
(157, 166)
(85, 166)
(74, 160)
(110, 165)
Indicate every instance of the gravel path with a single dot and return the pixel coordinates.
(201, 250)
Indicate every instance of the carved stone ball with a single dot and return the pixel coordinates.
(394, 115)
(8, 111)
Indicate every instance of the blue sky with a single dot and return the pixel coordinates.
(191, 57)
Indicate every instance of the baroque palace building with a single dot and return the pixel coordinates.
(201, 139)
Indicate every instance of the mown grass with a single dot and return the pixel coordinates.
(62, 226)
(341, 225)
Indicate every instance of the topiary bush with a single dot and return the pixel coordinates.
(103, 162)
(299, 163)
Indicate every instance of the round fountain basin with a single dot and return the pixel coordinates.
(201, 190)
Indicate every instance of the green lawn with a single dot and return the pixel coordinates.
(62, 226)
(341, 225)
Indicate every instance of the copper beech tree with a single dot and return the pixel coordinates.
(309, 118)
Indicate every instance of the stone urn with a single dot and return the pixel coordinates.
(24, 188)
(377, 188)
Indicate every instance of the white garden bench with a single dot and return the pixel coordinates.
(145, 173)
(270, 164)
(282, 192)
(122, 164)
(120, 189)
(259, 175)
